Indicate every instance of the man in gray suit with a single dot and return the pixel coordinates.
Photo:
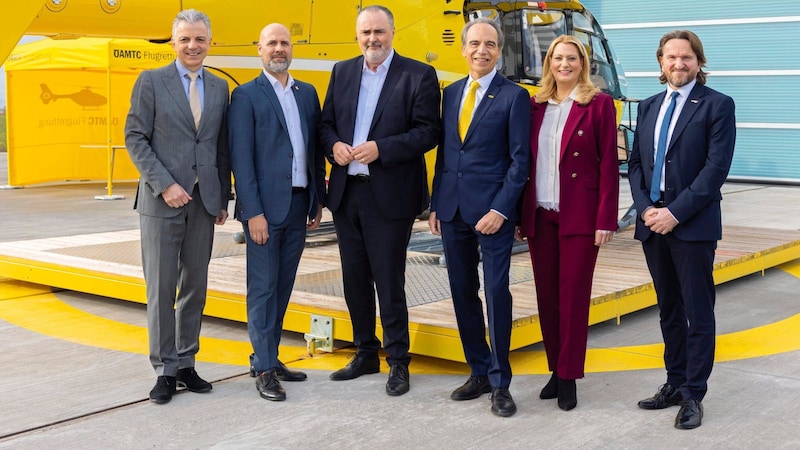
(176, 136)
(280, 185)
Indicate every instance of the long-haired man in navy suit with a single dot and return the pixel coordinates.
(176, 135)
(481, 168)
(682, 151)
(380, 117)
(279, 170)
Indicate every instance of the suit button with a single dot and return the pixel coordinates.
(459, 174)
(197, 141)
(461, 152)
(576, 154)
(194, 167)
(574, 175)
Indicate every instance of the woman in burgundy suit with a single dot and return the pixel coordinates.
(569, 207)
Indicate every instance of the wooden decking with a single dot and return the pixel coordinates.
(108, 264)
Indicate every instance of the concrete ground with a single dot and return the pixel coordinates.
(55, 393)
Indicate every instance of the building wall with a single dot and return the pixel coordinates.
(752, 54)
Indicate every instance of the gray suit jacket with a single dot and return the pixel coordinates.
(166, 148)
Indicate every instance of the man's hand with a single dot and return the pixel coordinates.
(489, 223)
(342, 153)
(660, 220)
(313, 224)
(258, 229)
(222, 217)
(175, 196)
(434, 224)
(365, 153)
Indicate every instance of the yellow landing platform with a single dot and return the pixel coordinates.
(108, 264)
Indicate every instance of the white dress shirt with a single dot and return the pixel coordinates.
(368, 94)
(291, 115)
(548, 156)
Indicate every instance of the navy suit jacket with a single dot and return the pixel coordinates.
(697, 161)
(489, 169)
(261, 151)
(405, 127)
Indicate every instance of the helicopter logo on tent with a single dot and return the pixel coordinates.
(84, 98)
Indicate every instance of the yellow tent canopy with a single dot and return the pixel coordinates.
(66, 106)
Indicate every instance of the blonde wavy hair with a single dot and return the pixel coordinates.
(548, 88)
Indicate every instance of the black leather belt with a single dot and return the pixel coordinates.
(296, 189)
(360, 177)
(660, 204)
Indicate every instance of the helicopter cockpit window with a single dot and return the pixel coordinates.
(601, 68)
(539, 29)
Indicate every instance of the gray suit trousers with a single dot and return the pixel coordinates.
(175, 253)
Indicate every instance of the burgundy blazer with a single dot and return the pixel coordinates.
(588, 169)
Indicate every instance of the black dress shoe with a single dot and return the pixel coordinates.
(473, 388)
(502, 403)
(398, 380)
(284, 373)
(163, 390)
(567, 395)
(269, 387)
(690, 415)
(665, 397)
(550, 390)
(360, 365)
(189, 379)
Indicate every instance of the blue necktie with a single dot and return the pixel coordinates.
(661, 150)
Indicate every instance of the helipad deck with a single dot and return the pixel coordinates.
(108, 264)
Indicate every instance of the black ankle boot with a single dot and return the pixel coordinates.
(567, 396)
(550, 390)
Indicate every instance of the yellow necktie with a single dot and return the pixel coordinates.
(194, 98)
(466, 111)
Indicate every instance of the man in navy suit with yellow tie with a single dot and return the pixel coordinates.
(682, 151)
(481, 168)
(280, 185)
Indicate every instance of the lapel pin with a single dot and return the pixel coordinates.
(296, 88)
(490, 96)
(693, 101)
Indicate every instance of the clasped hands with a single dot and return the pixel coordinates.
(364, 153)
(659, 220)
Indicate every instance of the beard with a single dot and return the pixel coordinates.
(679, 79)
(375, 54)
(277, 67)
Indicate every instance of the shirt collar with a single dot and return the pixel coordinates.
(274, 82)
(484, 81)
(572, 97)
(182, 70)
(684, 91)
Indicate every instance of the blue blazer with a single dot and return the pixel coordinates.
(696, 164)
(490, 168)
(261, 151)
